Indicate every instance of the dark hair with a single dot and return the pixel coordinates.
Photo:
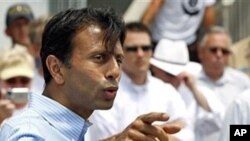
(137, 27)
(63, 27)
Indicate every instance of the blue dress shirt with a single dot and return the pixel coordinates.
(44, 120)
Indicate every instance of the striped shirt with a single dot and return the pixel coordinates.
(44, 119)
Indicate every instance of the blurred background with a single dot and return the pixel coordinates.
(232, 14)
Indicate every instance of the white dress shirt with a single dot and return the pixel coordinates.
(227, 88)
(203, 121)
(237, 113)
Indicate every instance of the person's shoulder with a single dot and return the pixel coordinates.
(209, 2)
(164, 89)
(25, 117)
(242, 105)
(245, 97)
(156, 81)
(159, 84)
(236, 73)
(26, 122)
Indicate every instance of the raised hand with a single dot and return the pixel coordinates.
(142, 129)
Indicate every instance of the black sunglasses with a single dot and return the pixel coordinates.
(145, 48)
(214, 50)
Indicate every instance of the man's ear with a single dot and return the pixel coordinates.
(7, 31)
(54, 66)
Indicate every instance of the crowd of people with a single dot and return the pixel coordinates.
(86, 75)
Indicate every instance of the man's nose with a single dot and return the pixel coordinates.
(139, 52)
(114, 69)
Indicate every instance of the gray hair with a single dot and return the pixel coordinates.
(217, 30)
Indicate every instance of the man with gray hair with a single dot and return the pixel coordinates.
(226, 82)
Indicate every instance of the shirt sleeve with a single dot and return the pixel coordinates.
(209, 2)
(209, 122)
(180, 113)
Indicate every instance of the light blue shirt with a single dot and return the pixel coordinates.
(44, 120)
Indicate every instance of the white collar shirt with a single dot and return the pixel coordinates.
(204, 122)
(238, 113)
(226, 89)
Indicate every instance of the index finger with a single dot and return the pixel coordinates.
(154, 116)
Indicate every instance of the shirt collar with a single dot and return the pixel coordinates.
(126, 78)
(61, 118)
(221, 81)
(127, 81)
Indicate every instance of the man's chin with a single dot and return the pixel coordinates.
(142, 70)
(105, 106)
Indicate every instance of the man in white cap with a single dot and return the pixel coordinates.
(16, 71)
(170, 63)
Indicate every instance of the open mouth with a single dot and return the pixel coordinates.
(110, 93)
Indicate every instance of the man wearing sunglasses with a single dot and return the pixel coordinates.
(226, 82)
(16, 71)
(139, 92)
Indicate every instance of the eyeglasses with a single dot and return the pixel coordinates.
(18, 80)
(214, 50)
(145, 48)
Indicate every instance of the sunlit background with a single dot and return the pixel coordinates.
(232, 14)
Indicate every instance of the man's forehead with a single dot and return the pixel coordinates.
(218, 35)
(20, 20)
(90, 33)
